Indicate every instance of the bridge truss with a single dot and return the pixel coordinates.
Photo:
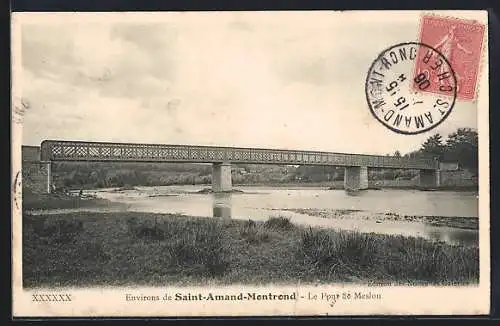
(58, 150)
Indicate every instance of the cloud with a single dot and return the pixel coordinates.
(235, 80)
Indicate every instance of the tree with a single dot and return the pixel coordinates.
(462, 147)
(397, 154)
(413, 154)
(433, 146)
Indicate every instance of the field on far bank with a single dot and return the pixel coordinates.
(91, 249)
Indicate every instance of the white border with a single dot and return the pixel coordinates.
(111, 301)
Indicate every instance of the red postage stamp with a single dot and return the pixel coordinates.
(461, 43)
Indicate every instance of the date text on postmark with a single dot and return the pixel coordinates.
(395, 89)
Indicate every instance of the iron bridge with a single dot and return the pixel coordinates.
(58, 150)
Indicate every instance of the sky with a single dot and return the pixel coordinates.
(271, 80)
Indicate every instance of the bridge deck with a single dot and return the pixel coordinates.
(57, 150)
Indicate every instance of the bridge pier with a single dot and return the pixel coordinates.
(430, 178)
(221, 177)
(356, 178)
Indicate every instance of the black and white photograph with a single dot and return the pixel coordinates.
(250, 163)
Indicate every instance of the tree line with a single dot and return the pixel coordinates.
(460, 146)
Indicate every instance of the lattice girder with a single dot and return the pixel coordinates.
(53, 150)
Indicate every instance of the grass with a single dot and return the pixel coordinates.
(83, 249)
(352, 255)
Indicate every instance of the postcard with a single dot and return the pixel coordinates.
(280, 163)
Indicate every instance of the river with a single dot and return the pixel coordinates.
(365, 211)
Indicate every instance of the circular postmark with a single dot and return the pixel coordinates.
(411, 88)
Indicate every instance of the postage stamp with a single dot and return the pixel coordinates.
(394, 88)
(247, 164)
(461, 42)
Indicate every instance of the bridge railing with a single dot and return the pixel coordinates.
(93, 151)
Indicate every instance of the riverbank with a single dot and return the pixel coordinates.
(330, 185)
(63, 201)
(92, 249)
(460, 222)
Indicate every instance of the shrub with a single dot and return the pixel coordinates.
(145, 230)
(356, 248)
(150, 233)
(249, 223)
(200, 250)
(253, 233)
(419, 259)
(318, 250)
(132, 223)
(279, 223)
(377, 256)
(341, 253)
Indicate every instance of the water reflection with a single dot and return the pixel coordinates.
(222, 205)
(355, 193)
(453, 235)
(260, 203)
